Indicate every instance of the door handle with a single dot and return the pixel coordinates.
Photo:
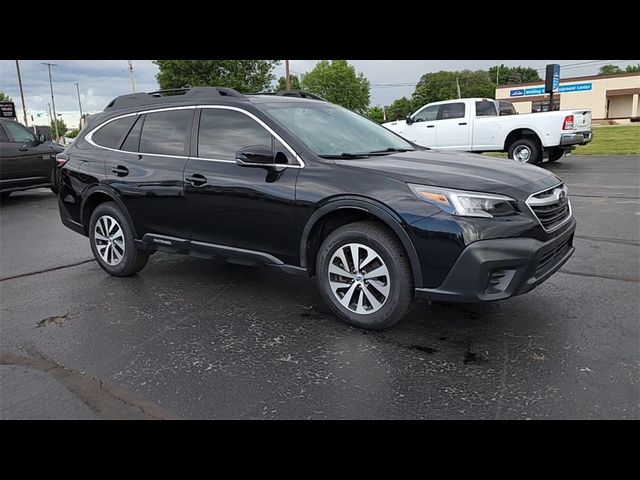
(430, 126)
(121, 171)
(196, 179)
(23, 149)
(462, 123)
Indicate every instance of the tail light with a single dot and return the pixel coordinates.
(568, 123)
(61, 159)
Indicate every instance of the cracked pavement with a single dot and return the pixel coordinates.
(188, 338)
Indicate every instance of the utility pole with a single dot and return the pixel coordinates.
(53, 102)
(458, 87)
(497, 74)
(49, 112)
(24, 107)
(79, 105)
(133, 78)
(286, 69)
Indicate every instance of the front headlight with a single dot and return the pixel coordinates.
(466, 204)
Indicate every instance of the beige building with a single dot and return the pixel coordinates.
(612, 97)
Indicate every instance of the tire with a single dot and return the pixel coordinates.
(555, 154)
(392, 292)
(132, 258)
(518, 151)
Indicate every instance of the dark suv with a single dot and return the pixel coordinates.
(310, 188)
(27, 160)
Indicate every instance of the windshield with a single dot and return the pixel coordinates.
(330, 130)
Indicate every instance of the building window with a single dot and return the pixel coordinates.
(543, 105)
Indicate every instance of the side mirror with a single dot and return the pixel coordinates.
(42, 138)
(409, 120)
(255, 156)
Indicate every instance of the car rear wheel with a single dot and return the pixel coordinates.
(555, 154)
(112, 242)
(525, 150)
(363, 273)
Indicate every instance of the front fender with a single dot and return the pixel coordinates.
(378, 210)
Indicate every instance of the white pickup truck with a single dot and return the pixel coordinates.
(474, 125)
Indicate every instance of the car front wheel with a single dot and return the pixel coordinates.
(363, 273)
(111, 238)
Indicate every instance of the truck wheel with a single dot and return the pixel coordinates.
(555, 154)
(525, 150)
(363, 273)
(111, 239)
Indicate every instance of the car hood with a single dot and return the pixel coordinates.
(457, 170)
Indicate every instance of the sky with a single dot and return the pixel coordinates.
(102, 80)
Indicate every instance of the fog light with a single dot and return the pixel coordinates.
(498, 281)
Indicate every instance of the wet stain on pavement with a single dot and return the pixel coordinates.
(57, 320)
(470, 357)
(422, 348)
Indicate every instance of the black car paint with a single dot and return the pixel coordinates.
(25, 165)
(269, 214)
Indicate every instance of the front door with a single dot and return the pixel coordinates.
(244, 207)
(423, 129)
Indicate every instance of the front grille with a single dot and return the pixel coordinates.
(551, 207)
(549, 259)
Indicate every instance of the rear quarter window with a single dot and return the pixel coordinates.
(112, 134)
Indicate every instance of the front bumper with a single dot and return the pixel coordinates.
(497, 269)
(578, 138)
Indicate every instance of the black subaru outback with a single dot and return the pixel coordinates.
(307, 187)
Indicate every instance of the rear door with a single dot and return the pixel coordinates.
(453, 130)
(147, 165)
(485, 126)
(423, 129)
(25, 161)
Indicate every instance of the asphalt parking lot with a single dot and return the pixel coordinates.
(188, 338)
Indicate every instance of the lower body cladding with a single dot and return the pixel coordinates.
(497, 269)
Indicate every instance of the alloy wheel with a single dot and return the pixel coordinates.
(359, 278)
(522, 153)
(109, 240)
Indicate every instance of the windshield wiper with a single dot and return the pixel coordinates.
(392, 150)
(368, 154)
(346, 155)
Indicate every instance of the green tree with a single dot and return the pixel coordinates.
(632, 68)
(248, 76)
(62, 127)
(505, 74)
(399, 109)
(73, 133)
(608, 69)
(282, 83)
(375, 113)
(441, 85)
(4, 97)
(338, 82)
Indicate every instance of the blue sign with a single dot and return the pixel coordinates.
(556, 77)
(573, 87)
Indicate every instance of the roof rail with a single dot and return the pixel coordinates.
(133, 99)
(300, 94)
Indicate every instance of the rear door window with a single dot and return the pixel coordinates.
(165, 133)
(132, 142)
(486, 109)
(452, 110)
